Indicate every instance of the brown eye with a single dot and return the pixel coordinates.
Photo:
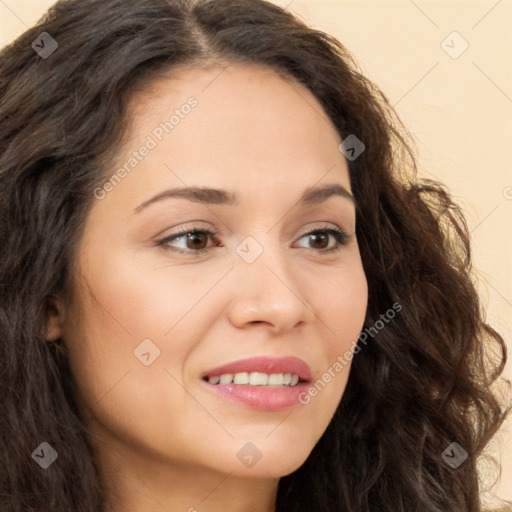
(194, 241)
(319, 239)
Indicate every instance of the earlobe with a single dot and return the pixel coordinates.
(54, 319)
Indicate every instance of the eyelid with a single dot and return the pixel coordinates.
(324, 226)
(199, 227)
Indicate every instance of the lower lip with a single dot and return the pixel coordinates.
(265, 398)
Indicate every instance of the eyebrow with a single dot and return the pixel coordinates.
(213, 196)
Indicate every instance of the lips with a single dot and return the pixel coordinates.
(292, 376)
(263, 364)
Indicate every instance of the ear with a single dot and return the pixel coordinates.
(54, 319)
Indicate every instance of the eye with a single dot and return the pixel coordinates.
(321, 237)
(195, 240)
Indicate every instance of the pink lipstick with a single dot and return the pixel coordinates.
(265, 383)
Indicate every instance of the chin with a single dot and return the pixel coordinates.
(271, 468)
(265, 458)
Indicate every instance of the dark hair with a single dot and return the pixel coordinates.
(418, 385)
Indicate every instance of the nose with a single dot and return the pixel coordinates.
(268, 291)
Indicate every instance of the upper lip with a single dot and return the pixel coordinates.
(264, 364)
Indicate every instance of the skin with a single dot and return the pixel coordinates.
(164, 442)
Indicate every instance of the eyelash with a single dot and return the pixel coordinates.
(340, 236)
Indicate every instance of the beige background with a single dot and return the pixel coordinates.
(458, 109)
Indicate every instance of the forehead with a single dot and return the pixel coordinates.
(251, 104)
(250, 127)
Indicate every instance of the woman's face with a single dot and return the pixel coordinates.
(155, 310)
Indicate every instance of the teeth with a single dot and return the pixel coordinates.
(256, 379)
(276, 379)
(241, 378)
(227, 378)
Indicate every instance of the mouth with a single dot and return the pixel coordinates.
(265, 383)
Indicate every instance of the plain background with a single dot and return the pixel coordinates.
(458, 108)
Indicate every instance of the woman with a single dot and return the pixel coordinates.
(210, 219)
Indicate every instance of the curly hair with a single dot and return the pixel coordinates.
(417, 386)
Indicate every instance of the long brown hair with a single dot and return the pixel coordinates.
(418, 385)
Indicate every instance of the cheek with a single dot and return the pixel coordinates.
(120, 393)
(132, 315)
(134, 301)
(342, 307)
